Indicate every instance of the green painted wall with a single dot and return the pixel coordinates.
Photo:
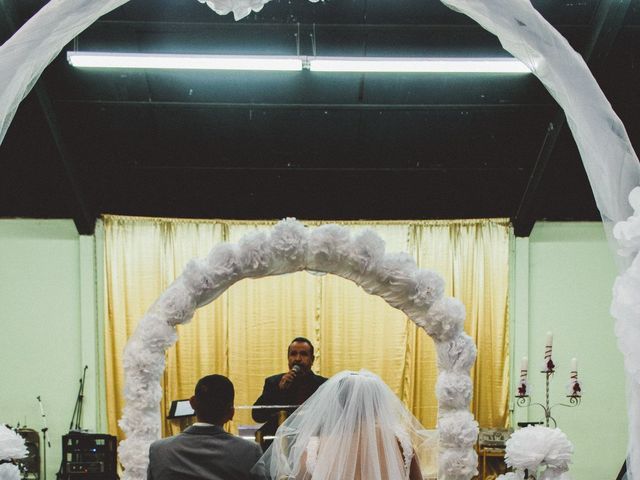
(563, 276)
(48, 325)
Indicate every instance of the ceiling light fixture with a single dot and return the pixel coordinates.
(417, 65)
(295, 63)
(183, 62)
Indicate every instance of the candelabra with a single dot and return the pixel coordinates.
(574, 390)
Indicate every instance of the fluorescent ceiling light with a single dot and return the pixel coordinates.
(285, 63)
(418, 65)
(183, 62)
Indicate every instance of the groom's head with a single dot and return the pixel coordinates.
(213, 399)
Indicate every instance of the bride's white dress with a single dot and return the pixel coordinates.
(352, 428)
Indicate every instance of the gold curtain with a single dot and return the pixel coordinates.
(245, 332)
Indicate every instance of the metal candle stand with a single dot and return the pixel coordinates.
(575, 395)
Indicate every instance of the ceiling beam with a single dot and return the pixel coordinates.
(310, 106)
(606, 24)
(83, 218)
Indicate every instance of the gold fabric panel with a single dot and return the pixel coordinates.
(245, 332)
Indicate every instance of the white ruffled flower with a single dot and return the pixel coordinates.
(397, 279)
(627, 232)
(398, 270)
(626, 308)
(457, 463)
(511, 476)
(255, 254)
(196, 279)
(454, 390)
(555, 474)
(156, 334)
(367, 252)
(145, 423)
(532, 446)
(134, 452)
(223, 264)
(445, 319)
(12, 445)
(240, 8)
(457, 429)
(329, 245)
(176, 304)
(457, 354)
(289, 239)
(9, 471)
(429, 287)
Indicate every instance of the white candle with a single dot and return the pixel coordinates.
(524, 364)
(574, 364)
(549, 339)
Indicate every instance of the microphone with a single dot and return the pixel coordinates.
(296, 369)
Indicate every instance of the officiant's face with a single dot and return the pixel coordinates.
(300, 354)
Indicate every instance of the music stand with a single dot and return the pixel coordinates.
(180, 409)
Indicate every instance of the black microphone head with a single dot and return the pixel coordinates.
(296, 368)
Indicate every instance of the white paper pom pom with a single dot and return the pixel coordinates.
(398, 270)
(289, 240)
(367, 251)
(134, 454)
(9, 471)
(12, 445)
(198, 282)
(176, 305)
(240, 8)
(445, 319)
(255, 254)
(511, 476)
(532, 446)
(329, 245)
(429, 287)
(559, 450)
(223, 264)
(457, 429)
(551, 473)
(397, 277)
(457, 463)
(454, 390)
(457, 354)
(145, 423)
(155, 333)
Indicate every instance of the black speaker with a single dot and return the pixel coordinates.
(90, 456)
(31, 463)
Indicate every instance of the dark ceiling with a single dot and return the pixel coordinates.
(309, 144)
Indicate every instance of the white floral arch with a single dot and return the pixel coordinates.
(291, 247)
(610, 162)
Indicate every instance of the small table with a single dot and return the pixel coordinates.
(485, 452)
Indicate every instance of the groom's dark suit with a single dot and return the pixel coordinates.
(202, 453)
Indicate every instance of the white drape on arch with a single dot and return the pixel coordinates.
(609, 159)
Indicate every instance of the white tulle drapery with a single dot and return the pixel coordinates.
(26, 54)
(609, 159)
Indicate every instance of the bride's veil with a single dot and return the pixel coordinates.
(352, 428)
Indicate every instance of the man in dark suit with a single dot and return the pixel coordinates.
(204, 451)
(289, 388)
